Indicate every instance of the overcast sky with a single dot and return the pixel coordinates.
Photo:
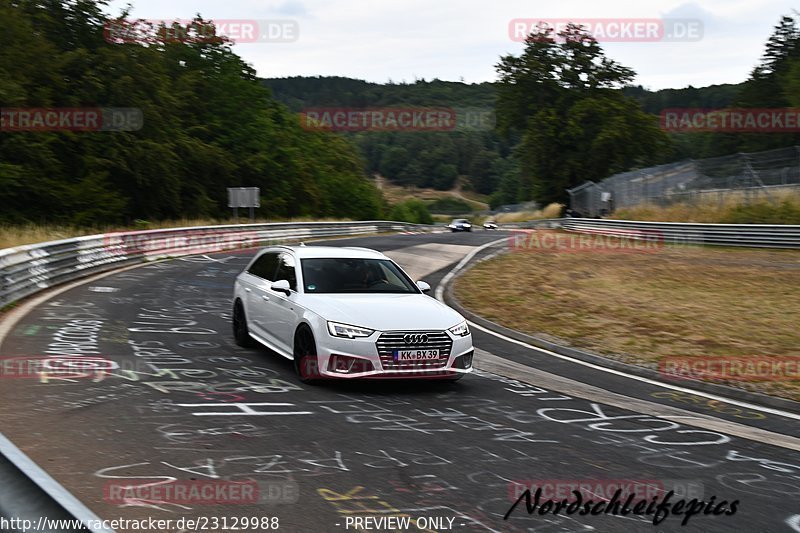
(380, 40)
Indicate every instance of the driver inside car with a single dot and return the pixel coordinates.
(369, 276)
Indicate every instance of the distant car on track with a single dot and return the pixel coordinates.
(490, 224)
(460, 224)
(347, 313)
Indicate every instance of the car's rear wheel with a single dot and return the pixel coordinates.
(241, 333)
(306, 363)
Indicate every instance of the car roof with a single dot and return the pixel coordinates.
(307, 252)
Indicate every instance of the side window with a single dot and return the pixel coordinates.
(286, 270)
(264, 267)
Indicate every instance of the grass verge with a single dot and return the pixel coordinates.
(642, 308)
(548, 211)
(781, 207)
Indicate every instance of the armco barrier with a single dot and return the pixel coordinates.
(25, 270)
(753, 235)
(553, 223)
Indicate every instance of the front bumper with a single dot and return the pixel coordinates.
(361, 358)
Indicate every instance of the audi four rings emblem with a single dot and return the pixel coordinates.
(415, 338)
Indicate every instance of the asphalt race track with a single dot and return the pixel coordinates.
(186, 405)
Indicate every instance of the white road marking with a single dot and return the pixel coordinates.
(731, 401)
(439, 296)
(554, 383)
(244, 409)
(460, 265)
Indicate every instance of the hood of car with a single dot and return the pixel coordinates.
(384, 312)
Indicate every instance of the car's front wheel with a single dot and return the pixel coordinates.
(306, 363)
(241, 333)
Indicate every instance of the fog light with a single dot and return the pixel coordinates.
(464, 361)
(344, 364)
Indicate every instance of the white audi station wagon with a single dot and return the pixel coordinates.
(347, 313)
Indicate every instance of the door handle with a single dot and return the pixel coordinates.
(248, 289)
(265, 298)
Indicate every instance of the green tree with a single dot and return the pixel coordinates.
(562, 95)
(413, 211)
(208, 124)
(393, 161)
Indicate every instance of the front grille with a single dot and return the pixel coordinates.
(393, 340)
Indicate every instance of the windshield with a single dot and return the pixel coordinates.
(353, 275)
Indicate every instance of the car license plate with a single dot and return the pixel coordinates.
(415, 355)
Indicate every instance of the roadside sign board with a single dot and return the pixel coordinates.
(244, 197)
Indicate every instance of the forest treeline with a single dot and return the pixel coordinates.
(420, 158)
(208, 125)
(563, 113)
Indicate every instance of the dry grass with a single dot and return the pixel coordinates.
(782, 207)
(18, 235)
(395, 194)
(549, 211)
(639, 308)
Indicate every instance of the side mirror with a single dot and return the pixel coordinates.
(424, 287)
(281, 285)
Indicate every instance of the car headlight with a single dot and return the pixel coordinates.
(344, 330)
(461, 330)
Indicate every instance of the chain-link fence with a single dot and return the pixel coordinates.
(751, 175)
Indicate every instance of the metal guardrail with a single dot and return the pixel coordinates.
(530, 224)
(752, 235)
(30, 500)
(25, 270)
